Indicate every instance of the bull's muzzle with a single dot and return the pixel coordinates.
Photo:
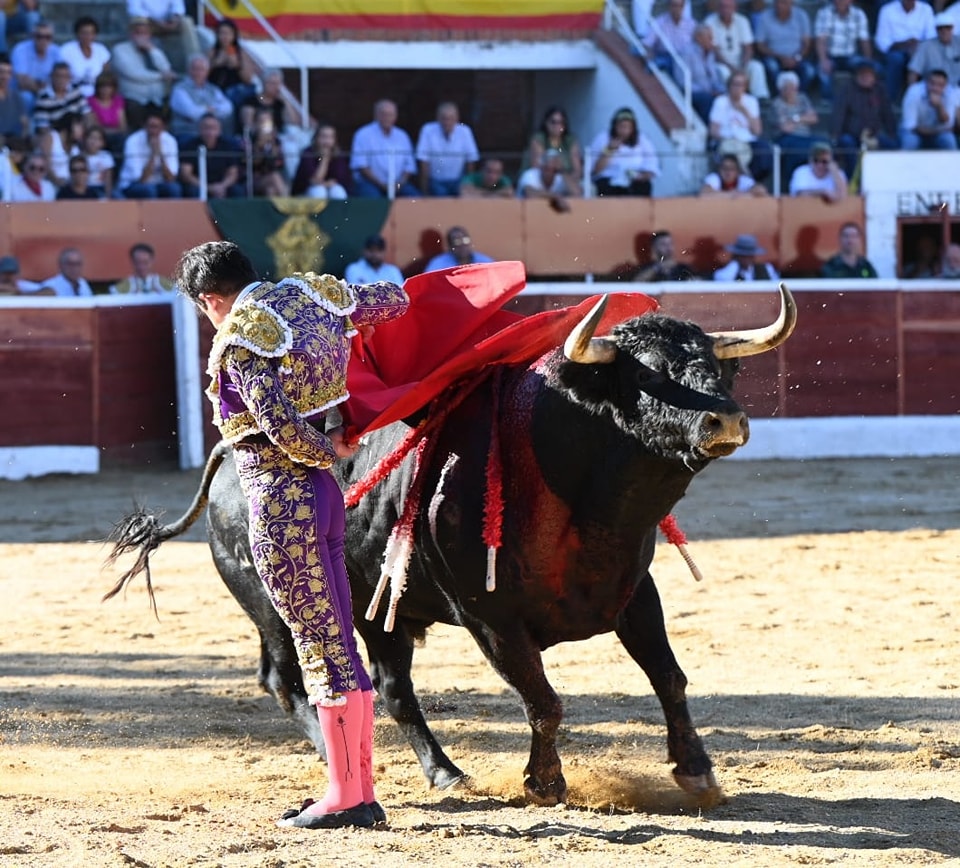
(723, 433)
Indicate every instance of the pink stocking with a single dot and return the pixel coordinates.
(342, 726)
(366, 748)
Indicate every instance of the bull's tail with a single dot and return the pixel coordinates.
(141, 532)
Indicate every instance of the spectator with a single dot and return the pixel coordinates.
(842, 38)
(59, 99)
(941, 52)
(143, 73)
(193, 97)
(69, 281)
(22, 16)
(99, 160)
(733, 38)
(13, 114)
(664, 265)
(927, 262)
(677, 26)
(231, 68)
(820, 177)
(224, 160)
(371, 267)
(151, 163)
(272, 99)
(849, 262)
(78, 185)
(267, 164)
(33, 61)
(489, 182)
(172, 27)
(459, 251)
(554, 135)
(382, 156)
(144, 279)
(863, 116)
(10, 281)
(744, 265)
(951, 262)
(31, 185)
(730, 181)
(324, 170)
(446, 151)
(929, 114)
(794, 115)
(547, 181)
(707, 80)
(783, 42)
(58, 142)
(736, 127)
(624, 160)
(108, 110)
(901, 26)
(86, 57)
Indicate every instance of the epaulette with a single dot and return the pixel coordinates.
(254, 326)
(331, 293)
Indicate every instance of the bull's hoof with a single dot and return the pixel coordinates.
(704, 787)
(547, 796)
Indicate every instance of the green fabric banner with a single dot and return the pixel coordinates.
(285, 235)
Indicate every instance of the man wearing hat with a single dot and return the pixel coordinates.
(371, 268)
(941, 52)
(744, 265)
(863, 114)
(12, 284)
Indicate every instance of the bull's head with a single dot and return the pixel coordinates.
(667, 382)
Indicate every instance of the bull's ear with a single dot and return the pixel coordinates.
(592, 384)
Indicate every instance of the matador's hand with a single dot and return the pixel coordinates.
(340, 445)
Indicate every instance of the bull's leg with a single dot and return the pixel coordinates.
(641, 630)
(391, 656)
(518, 661)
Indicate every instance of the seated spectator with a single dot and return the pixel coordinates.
(143, 74)
(730, 181)
(144, 279)
(59, 99)
(13, 114)
(371, 267)
(78, 186)
(193, 97)
(267, 164)
(849, 262)
(554, 135)
(863, 116)
(32, 61)
(171, 26)
(547, 181)
(459, 251)
(108, 110)
(744, 265)
(446, 151)
(736, 127)
(31, 185)
(10, 281)
(57, 143)
(151, 163)
(664, 265)
(86, 57)
(929, 114)
(270, 98)
(794, 115)
(734, 41)
(69, 281)
(820, 177)
(925, 261)
(842, 37)
(707, 80)
(99, 160)
(676, 26)
(489, 182)
(231, 67)
(381, 157)
(941, 52)
(22, 16)
(324, 170)
(624, 160)
(951, 262)
(783, 42)
(224, 160)
(901, 26)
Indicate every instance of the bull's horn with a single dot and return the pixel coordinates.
(581, 346)
(750, 342)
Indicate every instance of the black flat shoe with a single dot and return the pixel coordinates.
(359, 815)
(376, 811)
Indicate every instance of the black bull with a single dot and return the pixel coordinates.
(598, 442)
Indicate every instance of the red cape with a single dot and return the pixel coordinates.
(454, 327)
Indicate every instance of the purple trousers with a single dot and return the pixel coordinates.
(297, 522)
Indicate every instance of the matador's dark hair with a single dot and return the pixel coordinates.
(216, 268)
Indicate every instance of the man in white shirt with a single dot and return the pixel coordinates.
(370, 267)
(929, 117)
(901, 26)
(446, 151)
(151, 163)
(459, 251)
(144, 280)
(820, 177)
(744, 265)
(69, 282)
(733, 40)
(546, 181)
(382, 156)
